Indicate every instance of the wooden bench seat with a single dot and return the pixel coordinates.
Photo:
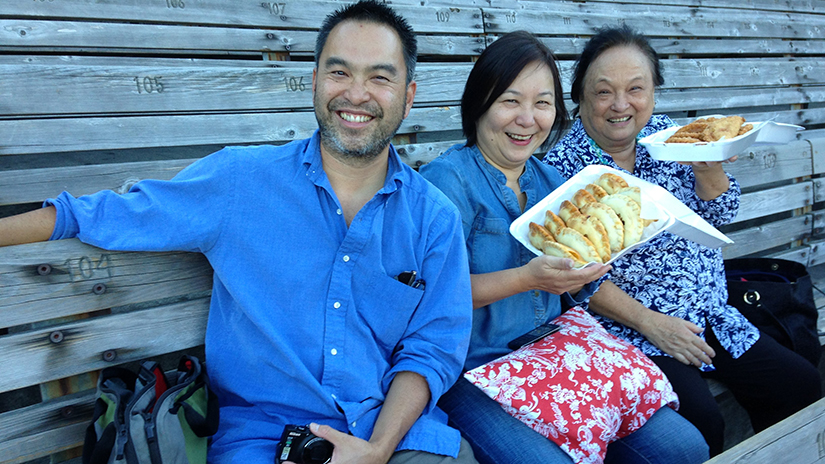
(98, 95)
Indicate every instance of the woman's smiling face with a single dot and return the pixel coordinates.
(617, 98)
(519, 120)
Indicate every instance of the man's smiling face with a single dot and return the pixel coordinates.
(360, 92)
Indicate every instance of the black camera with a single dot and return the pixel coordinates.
(301, 446)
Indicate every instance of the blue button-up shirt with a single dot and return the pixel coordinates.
(669, 274)
(307, 321)
(488, 206)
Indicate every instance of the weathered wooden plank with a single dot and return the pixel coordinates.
(31, 358)
(287, 14)
(796, 440)
(687, 46)
(771, 163)
(34, 185)
(802, 6)
(46, 428)
(125, 89)
(817, 256)
(800, 254)
(62, 135)
(776, 200)
(656, 20)
(115, 89)
(30, 36)
(741, 72)
(708, 99)
(767, 236)
(44, 281)
(818, 150)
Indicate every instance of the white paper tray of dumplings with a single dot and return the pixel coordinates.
(657, 203)
(763, 133)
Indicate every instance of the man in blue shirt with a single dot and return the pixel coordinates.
(308, 321)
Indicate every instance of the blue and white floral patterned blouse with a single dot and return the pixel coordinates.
(669, 274)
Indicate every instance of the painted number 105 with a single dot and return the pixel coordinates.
(149, 84)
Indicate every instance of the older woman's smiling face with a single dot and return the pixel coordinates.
(617, 98)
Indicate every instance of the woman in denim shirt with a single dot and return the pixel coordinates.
(664, 295)
(512, 105)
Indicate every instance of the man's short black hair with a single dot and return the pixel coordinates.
(496, 69)
(605, 39)
(373, 12)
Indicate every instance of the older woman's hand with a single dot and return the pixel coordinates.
(556, 275)
(678, 338)
(711, 180)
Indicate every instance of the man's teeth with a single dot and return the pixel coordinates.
(519, 137)
(354, 117)
(626, 118)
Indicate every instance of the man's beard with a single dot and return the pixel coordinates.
(363, 148)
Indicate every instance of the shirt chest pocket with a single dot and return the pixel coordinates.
(489, 246)
(384, 307)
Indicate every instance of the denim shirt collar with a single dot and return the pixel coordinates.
(525, 181)
(311, 158)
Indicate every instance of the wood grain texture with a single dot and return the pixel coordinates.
(767, 236)
(82, 278)
(31, 358)
(799, 439)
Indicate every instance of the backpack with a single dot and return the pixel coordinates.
(147, 418)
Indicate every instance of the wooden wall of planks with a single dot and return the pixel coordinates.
(97, 95)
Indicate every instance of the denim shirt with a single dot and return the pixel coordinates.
(307, 321)
(669, 274)
(488, 206)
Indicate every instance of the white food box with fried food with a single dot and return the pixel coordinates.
(763, 133)
(657, 203)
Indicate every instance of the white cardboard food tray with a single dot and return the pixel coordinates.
(763, 133)
(657, 203)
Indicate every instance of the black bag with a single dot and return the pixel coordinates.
(776, 295)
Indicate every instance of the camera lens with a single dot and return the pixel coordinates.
(317, 451)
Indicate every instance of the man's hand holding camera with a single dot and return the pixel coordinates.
(350, 449)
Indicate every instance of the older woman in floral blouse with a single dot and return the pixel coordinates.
(664, 296)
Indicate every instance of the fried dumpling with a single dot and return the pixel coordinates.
(593, 230)
(538, 235)
(631, 215)
(575, 240)
(610, 220)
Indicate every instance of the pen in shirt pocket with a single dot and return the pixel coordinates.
(409, 278)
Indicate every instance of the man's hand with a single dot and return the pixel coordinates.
(678, 338)
(556, 275)
(349, 449)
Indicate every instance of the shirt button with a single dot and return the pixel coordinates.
(336, 305)
(346, 258)
(334, 397)
(353, 423)
(536, 293)
(333, 351)
(339, 212)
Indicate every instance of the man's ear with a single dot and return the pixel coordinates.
(410, 97)
(314, 74)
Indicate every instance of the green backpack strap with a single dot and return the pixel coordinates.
(115, 388)
(191, 400)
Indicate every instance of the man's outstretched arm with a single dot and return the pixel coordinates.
(34, 226)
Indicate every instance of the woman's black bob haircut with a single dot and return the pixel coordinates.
(496, 69)
(605, 39)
